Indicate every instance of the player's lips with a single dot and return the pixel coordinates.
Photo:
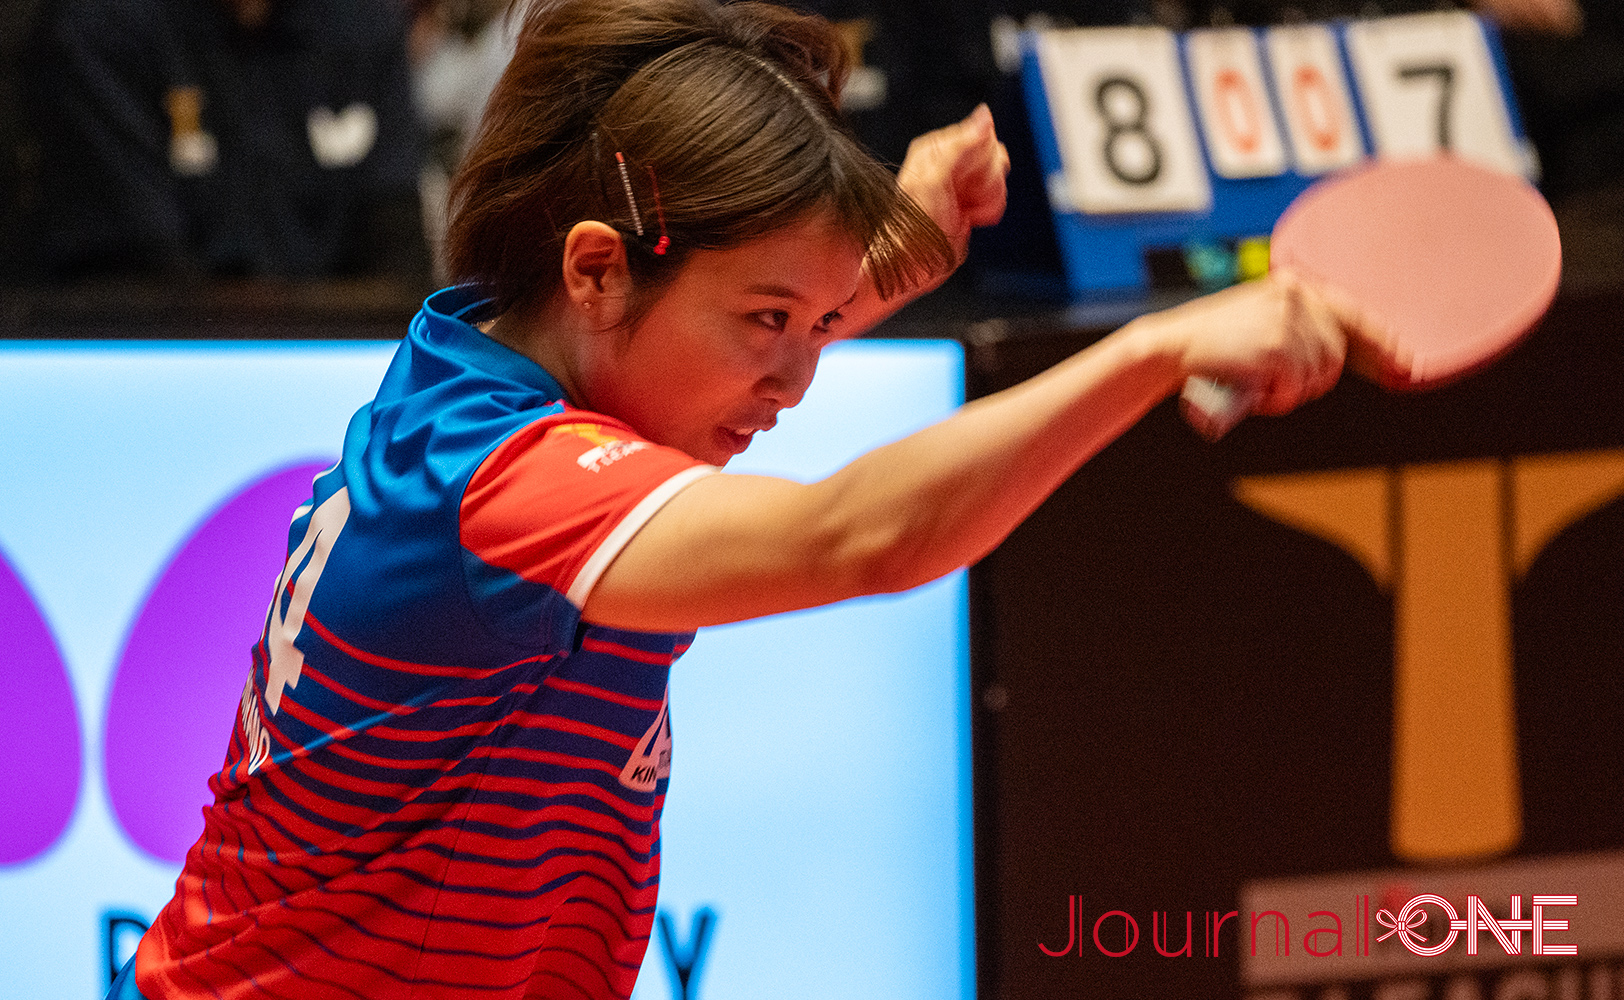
(737, 439)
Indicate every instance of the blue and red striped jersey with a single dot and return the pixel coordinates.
(442, 782)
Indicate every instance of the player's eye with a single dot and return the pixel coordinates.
(773, 319)
(828, 320)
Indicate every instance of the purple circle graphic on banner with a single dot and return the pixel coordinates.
(39, 728)
(179, 681)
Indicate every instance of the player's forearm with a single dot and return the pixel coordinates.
(944, 497)
(868, 308)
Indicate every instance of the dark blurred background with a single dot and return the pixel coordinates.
(144, 150)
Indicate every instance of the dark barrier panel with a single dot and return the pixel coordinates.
(1185, 677)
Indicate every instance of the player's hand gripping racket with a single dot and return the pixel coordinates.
(1454, 262)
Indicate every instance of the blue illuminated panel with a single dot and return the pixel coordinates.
(819, 804)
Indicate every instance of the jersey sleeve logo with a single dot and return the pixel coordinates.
(651, 761)
(606, 449)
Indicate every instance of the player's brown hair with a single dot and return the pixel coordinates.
(730, 111)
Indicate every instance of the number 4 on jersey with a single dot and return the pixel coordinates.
(286, 617)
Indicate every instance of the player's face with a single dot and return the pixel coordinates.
(733, 340)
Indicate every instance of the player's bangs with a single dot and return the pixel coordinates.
(758, 152)
(905, 247)
(686, 126)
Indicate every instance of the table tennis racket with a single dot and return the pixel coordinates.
(1454, 261)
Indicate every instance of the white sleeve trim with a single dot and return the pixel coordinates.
(630, 525)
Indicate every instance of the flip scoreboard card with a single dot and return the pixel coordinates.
(1126, 139)
(1314, 98)
(1430, 86)
(1232, 98)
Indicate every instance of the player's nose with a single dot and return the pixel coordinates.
(793, 369)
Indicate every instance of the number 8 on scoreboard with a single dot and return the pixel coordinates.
(1126, 140)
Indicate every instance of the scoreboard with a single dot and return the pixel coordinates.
(1150, 139)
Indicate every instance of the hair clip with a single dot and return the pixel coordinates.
(659, 210)
(626, 182)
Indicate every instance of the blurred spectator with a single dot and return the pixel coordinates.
(225, 137)
(1556, 17)
(1570, 83)
(459, 49)
(917, 65)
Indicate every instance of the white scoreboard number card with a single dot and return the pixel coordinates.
(1429, 85)
(1122, 123)
(1314, 98)
(1232, 98)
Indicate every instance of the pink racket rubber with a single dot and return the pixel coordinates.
(1456, 262)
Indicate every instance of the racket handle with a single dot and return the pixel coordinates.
(1214, 408)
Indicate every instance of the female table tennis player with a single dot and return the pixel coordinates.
(451, 753)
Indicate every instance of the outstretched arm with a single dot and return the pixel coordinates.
(733, 547)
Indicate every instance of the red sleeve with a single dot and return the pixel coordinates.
(557, 501)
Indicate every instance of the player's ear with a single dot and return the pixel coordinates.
(596, 278)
